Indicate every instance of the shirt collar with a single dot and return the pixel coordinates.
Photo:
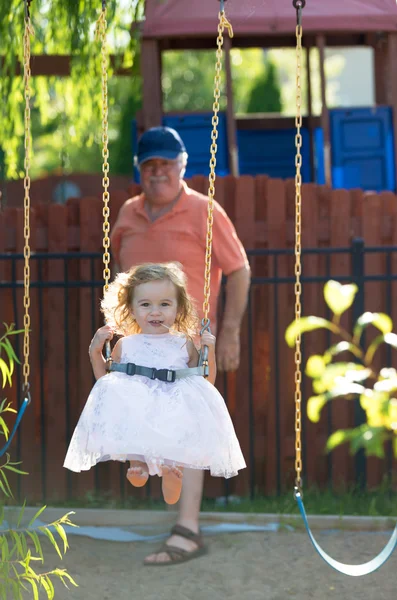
(180, 206)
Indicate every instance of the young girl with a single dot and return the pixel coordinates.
(160, 426)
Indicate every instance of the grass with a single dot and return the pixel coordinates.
(375, 503)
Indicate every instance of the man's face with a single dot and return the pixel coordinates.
(161, 179)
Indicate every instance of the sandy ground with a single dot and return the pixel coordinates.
(239, 566)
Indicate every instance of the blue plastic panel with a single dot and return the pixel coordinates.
(195, 130)
(362, 148)
(272, 152)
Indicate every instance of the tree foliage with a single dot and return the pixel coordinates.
(21, 546)
(61, 27)
(355, 377)
(265, 96)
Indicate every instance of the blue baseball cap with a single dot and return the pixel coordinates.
(159, 142)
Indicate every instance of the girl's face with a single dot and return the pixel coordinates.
(155, 306)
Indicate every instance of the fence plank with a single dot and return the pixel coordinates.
(374, 297)
(313, 434)
(244, 212)
(90, 241)
(279, 310)
(341, 410)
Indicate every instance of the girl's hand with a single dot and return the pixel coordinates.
(103, 334)
(207, 339)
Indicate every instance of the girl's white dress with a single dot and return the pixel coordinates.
(183, 423)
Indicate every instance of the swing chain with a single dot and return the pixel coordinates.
(101, 36)
(298, 266)
(28, 31)
(223, 23)
(299, 5)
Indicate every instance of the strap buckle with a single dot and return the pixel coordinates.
(164, 375)
(131, 368)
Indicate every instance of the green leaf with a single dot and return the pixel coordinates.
(315, 405)
(36, 516)
(379, 320)
(3, 489)
(304, 325)
(342, 347)
(7, 485)
(315, 366)
(50, 536)
(339, 437)
(386, 385)
(10, 351)
(21, 514)
(340, 375)
(4, 428)
(62, 535)
(395, 445)
(34, 588)
(339, 297)
(35, 539)
(5, 373)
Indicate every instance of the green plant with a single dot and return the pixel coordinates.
(358, 377)
(20, 546)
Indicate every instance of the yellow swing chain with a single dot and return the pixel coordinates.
(100, 33)
(28, 32)
(298, 267)
(223, 23)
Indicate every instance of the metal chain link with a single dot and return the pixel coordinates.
(223, 23)
(28, 32)
(101, 28)
(298, 266)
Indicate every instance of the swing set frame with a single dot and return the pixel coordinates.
(101, 29)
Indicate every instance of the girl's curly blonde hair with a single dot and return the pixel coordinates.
(117, 301)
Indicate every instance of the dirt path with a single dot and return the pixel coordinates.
(244, 566)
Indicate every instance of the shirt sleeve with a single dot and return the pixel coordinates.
(119, 228)
(228, 250)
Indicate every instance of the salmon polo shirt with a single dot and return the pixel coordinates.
(180, 236)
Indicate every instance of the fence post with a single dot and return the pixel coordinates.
(358, 273)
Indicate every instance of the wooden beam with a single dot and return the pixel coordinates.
(269, 122)
(60, 65)
(230, 116)
(152, 105)
(320, 42)
(380, 45)
(310, 114)
(392, 91)
(256, 41)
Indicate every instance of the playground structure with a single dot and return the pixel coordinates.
(347, 148)
(352, 570)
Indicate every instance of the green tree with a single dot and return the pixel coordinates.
(17, 559)
(265, 96)
(61, 27)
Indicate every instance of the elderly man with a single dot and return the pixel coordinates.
(167, 222)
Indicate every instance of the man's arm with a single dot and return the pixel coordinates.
(228, 345)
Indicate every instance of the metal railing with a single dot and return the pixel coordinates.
(275, 281)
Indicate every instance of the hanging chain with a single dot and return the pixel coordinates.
(298, 248)
(101, 36)
(26, 203)
(223, 22)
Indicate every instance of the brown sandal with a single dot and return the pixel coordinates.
(179, 555)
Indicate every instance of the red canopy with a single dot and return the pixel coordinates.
(178, 18)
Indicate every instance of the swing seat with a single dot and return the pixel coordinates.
(346, 569)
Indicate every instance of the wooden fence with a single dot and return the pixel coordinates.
(262, 210)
